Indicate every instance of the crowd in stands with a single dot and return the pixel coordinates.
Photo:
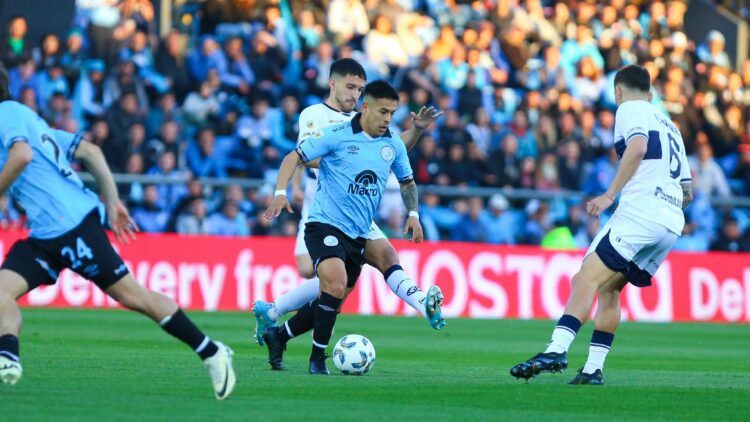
(526, 87)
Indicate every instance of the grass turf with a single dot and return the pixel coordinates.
(116, 365)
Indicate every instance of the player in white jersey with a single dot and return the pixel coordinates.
(346, 83)
(654, 185)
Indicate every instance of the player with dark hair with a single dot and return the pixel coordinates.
(66, 232)
(347, 80)
(654, 182)
(356, 158)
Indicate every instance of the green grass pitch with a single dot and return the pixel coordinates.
(115, 365)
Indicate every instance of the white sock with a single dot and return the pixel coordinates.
(597, 354)
(405, 288)
(562, 337)
(306, 292)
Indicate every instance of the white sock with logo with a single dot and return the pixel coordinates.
(306, 292)
(405, 288)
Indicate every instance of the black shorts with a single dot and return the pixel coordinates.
(324, 241)
(84, 249)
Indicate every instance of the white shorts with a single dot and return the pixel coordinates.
(300, 248)
(632, 247)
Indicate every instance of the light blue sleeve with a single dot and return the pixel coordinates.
(401, 166)
(11, 129)
(68, 142)
(316, 146)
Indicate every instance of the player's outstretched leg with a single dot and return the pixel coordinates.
(586, 282)
(606, 322)
(216, 356)
(12, 287)
(276, 338)
(381, 254)
(266, 314)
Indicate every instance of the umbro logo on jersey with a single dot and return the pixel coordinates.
(353, 149)
(365, 183)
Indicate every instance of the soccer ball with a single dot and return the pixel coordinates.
(354, 355)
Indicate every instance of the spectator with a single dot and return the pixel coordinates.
(383, 46)
(169, 194)
(124, 82)
(712, 51)
(166, 109)
(347, 20)
(537, 224)
(731, 238)
(570, 166)
(228, 222)
(709, 177)
(139, 52)
(470, 228)
(74, 56)
(236, 72)
(150, 216)
(498, 223)
(52, 80)
(24, 76)
(88, 97)
(122, 115)
(504, 166)
(266, 60)
(170, 62)
(15, 48)
(194, 221)
(168, 141)
(393, 227)
(286, 126)
(202, 106)
(199, 62)
(202, 158)
(480, 131)
(48, 53)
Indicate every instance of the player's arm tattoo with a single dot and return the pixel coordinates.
(409, 195)
(687, 194)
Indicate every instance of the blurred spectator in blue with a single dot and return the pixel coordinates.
(202, 159)
(194, 220)
(202, 106)
(731, 238)
(383, 47)
(139, 52)
(444, 218)
(589, 82)
(170, 62)
(454, 71)
(136, 139)
(712, 51)
(254, 131)
(537, 223)
(690, 240)
(742, 172)
(499, 224)
(57, 110)
(23, 76)
(134, 192)
(229, 221)
(125, 81)
(29, 98)
(709, 177)
(317, 69)
(286, 125)
(235, 72)
(151, 216)
(48, 53)
(469, 98)
(586, 234)
(604, 129)
(470, 228)
(74, 56)
(104, 30)
(602, 174)
(88, 97)
(527, 146)
(15, 47)
(170, 194)
(166, 109)
(52, 80)
(311, 32)
(208, 57)
(394, 225)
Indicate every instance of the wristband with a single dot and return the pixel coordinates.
(413, 214)
(279, 192)
(608, 195)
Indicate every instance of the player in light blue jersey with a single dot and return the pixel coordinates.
(66, 232)
(356, 158)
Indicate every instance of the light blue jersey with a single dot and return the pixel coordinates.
(52, 194)
(354, 169)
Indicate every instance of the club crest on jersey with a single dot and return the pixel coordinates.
(318, 134)
(330, 241)
(387, 153)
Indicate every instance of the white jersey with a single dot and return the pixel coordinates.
(311, 120)
(653, 193)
